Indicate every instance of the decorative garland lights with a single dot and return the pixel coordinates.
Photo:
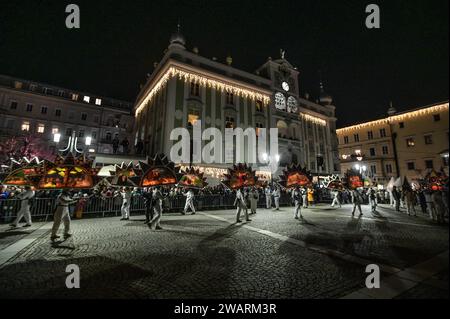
(399, 117)
(174, 71)
(315, 120)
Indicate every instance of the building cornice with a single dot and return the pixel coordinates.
(397, 117)
(187, 72)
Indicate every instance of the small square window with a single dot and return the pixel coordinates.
(87, 99)
(437, 117)
(29, 107)
(69, 132)
(389, 168)
(429, 164)
(411, 166)
(410, 142)
(55, 130)
(44, 110)
(13, 105)
(385, 150)
(428, 139)
(98, 101)
(372, 151)
(401, 124)
(57, 112)
(25, 127)
(83, 116)
(41, 129)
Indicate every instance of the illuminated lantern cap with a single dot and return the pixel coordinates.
(25, 172)
(192, 178)
(334, 182)
(125, 175)
(68, 172)
(353, 179)
(435, 181)
(240, 176)
(295, 176)
(158, 172)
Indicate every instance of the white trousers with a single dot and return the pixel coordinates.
(189, 204)
(155, 222)
(268, 201)
(277, 202)
(373, 204)
(238, 212)
(61, 214)
(305, 201)
(125, 209)
(23, 212)
(354, 208)
(336, 202)
(297, 209)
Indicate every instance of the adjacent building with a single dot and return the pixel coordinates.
(409, 143)
(186, 87)
(44, 110)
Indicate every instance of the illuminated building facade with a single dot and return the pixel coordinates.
(409, 143)
(186, 87)
(43, 110)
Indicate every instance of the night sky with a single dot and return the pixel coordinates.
(405, 61)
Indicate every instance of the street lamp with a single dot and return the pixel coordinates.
(56, 137)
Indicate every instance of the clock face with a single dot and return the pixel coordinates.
(285, 86)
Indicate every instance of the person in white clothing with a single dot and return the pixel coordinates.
(356, 201)
(297, 198)
(62, 214)
(304, 197)
(336, 200)
(126, 203)
(189, 202)
(253, 197)
(240, 205)
(268, 193)
(24, 207)
(276, 198)
(157, 209)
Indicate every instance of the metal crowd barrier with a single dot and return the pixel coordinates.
(43, 208)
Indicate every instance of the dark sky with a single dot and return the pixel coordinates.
(405, 61)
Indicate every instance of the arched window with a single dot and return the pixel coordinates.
(292, 104)
(280, 101)
(282, 128)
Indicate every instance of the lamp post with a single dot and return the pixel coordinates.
(56, 140)
(272, 162)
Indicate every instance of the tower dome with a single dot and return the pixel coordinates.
(391, 111)
(324, 98)
(177, 39)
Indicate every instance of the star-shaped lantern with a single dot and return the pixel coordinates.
(295, 176)
(334, 182)
(240, 176)
(25, 172)
(125, 175)
(158, 172)
(353, 179)
(192, 178)
(68, 172)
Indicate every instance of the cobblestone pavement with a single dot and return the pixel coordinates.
(197, 256)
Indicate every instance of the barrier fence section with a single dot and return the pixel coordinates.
(43, 208)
